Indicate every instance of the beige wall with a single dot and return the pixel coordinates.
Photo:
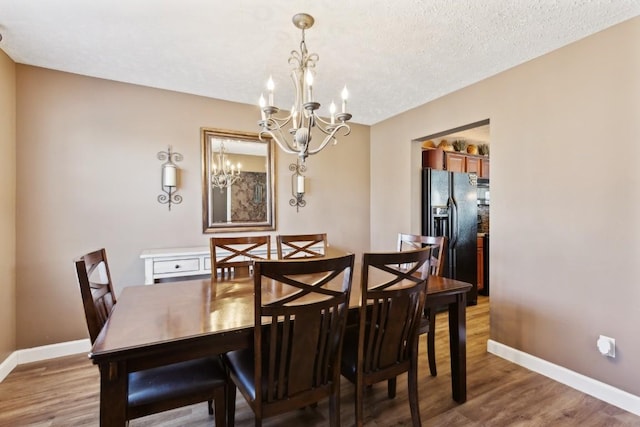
(7, 206)
(88, 177)
(565, 194)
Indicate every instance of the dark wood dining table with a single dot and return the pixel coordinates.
(165, 323)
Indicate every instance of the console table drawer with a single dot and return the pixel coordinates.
(176, 266)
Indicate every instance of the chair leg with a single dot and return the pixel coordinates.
(231, 404)
(210, 406)
(220, 400)
(359, 402)
(431, 341)
(391, 388)
(334, 409)
(412, 381)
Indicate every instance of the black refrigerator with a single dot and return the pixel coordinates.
(449, 208)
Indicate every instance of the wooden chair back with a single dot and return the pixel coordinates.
(234, 256)
(298, 349)
(392, 308)
(96, 288)
(301, 245)
(414, 241)
(393, 291)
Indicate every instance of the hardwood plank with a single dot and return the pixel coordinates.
(65, 392)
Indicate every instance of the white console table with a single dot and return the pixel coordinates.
(185, 262)
(175, 262)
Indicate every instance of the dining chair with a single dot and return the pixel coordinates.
(158, 389)
(384, 343)
(298, 332)
(414, 241)
(234, 256)
(301, 245)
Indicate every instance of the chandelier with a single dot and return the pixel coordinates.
(224, 172)
(292, 133)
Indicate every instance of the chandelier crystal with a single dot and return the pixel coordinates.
(224, 172)
(293, 132)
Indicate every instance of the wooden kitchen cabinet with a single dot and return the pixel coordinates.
(480, 263)
(455, 161)
(484, 168)
(474, 165)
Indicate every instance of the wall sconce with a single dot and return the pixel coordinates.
(169, 177)
(297, 185)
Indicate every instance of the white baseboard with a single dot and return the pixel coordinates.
(597, 389)
(44, 352)
(7, 365)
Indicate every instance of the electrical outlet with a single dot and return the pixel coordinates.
(607, 346)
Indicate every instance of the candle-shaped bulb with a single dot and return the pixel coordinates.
(294, 117)
(270, 88)
(345, 95)
(239, 167)
(262, 102)
(308, 77)
(309, 81)
(332, 110)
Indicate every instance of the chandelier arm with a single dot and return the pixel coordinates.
(328, 126)
(330, 136)
(286, 147)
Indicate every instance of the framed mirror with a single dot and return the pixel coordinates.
(238, 181)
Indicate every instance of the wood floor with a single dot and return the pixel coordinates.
(65, 392)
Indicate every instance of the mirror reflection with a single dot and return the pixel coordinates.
(237, 181)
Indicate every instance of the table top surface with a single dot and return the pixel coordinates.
(169, 312)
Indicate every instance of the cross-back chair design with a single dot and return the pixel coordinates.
(301, 245)
(236, 255)
(298, 333)
(413, 241)
(157, 389)
(385, 342)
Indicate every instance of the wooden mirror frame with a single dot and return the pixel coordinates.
(208, 136)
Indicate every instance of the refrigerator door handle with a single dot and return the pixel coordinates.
(453, 223)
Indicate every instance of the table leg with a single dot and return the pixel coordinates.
(113, 394)
(458, 347)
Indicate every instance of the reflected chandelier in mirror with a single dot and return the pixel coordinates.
(238, 181)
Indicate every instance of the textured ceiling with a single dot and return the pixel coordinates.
(393, 55)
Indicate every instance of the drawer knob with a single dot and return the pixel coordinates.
(177, 266)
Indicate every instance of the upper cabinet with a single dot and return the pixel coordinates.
(455, 161)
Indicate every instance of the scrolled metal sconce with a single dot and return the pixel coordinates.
(297, 185)
(169, 177)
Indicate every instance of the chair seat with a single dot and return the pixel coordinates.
(174, 381)
(242, 364)
(424, 326)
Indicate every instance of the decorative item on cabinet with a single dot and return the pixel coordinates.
(445, 145)
(483, 149)
(297, 185)
(169, 177)
(460, 145)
